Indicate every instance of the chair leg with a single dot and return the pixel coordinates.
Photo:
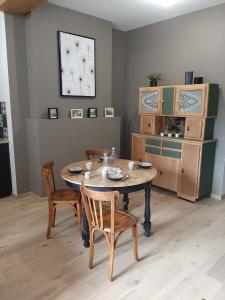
(50, 217)
(79, 217)
(111, 257)
(135, 242)
(53, 217)
(91, 251)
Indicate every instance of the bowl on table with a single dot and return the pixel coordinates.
(115, 176)
(144, 165)
(75, 170)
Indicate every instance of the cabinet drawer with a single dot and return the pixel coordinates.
(152, 150)
(172, 145)
(154, 142)
(171, 153)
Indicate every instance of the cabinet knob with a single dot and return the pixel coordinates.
(162, 100)
(182, 170)
(149, 125)
(160, 172)
(188, 128)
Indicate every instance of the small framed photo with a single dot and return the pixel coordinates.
(92, 112)
(109, 112)
(76, 113)
(53, 113)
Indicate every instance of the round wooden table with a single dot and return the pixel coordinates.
(134, 181)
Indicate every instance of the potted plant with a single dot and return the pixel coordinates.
(154, 78)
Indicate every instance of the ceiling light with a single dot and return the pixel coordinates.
(164, 3)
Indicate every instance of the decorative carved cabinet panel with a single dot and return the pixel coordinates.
(150, 100)
(185, 162)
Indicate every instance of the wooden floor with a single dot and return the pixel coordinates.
(184, 259)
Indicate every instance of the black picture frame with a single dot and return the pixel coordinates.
(62, 94)
(53, 113)
(92, 112)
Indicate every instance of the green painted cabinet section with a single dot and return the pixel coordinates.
(207, 166)
(213, 100)
(173, 145)
(168, 101)
(171, 153)
(152, 150)
(154, 142)
(209, 128)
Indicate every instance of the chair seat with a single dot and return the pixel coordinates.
(66, 196)
(122, 221)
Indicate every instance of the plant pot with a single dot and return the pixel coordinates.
(153, 82)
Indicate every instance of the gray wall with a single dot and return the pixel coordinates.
(42, 26)
(34, 80)
(16, 51)
(118, 77)
(192, 42)
(59, 140)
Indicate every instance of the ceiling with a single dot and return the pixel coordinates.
(130, 14)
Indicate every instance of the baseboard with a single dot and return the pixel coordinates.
(217, 197)
(27, 194)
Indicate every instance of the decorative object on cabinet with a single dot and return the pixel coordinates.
(198, 80)
(53, 113)
(109, 112)
(92, 112)
(154, 78)
(189, 77)
(77, 65)
(76, 113)
(178, 140)
(19, 7)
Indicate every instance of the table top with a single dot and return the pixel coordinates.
(132, 178)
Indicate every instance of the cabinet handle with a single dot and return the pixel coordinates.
(161, 172)
(182, 170)
(162, 100)
(188, 128)
(149, 125)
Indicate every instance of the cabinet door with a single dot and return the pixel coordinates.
(147, 124)
(137, 147)
(194, 128)
(191, 100)
(168, 171)
(189, 175)
(168, 101)
(150, 100)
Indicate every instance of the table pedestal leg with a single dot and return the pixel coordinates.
(85, 231)
(147, 223)
(126, 201)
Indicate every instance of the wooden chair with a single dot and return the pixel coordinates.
(63, 197)
(102, 216)
(96, 153)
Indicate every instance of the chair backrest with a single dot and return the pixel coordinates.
(95, 203)
(49, 181)
(96, 153)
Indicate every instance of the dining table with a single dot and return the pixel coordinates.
(134, 180)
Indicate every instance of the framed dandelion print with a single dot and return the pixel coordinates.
(77, 65)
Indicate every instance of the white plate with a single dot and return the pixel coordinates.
(144, 165)
(75, 169)
(115, 176)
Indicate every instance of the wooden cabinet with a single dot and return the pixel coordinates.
(191, 100)
(194, 128)
(189, 175)
(150, 100)
(168, 171)
(137, 147)
(148, 124)
(5, 172)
